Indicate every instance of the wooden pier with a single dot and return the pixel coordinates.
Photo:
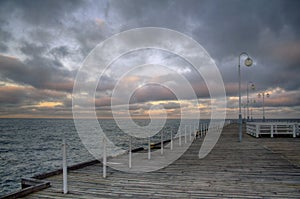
(254, 168)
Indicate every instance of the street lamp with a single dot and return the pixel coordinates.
(244, 106)
(263, 98)
(248, 62)
(251, 110)
(252, 88)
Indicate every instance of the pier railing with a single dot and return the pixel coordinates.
(189, 133)
(257, 129)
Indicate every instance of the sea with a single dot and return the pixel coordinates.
(34, 146)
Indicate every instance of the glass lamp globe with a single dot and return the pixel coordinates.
(248, 61)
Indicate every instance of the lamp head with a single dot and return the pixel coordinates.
(268, 95)
(248, 62)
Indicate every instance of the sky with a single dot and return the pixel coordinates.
(44, 43)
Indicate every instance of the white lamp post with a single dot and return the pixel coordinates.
(248, 62)
(251, 110)
(252, 88)
(263, 98)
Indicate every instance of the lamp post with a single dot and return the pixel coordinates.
(263, 102)
(248, 62)
(251, 110)
(252, 88)
(245, 116)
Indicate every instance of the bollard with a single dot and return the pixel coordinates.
(129, 161)
(65, 177)
(104, 158)
(149, 148)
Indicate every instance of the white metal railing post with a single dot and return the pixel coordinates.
(65, 169)
(180, 138)
(190, 132)
(256, 130)
(130, 152)
(272, 128)
(149, 148)
(104, 158)
(200, 130)
(294, 130)
(171, 140)
(194, 132)
(161, 143)
(185, 134)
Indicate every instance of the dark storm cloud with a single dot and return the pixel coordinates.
(4, 36)
(41, 13)
(225, 29)
(35, 72)
(24, 95)
(153, 93)
(60, 52)
(49, 36)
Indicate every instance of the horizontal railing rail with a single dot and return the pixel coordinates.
(257, 129)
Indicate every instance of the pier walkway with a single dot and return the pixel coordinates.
(254, 168)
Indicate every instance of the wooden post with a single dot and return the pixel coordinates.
(65, 170)
(104, 157)
(149, 148)
(129, 161)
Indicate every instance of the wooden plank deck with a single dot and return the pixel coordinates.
(255, 168)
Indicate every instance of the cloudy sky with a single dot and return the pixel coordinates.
(44, 43)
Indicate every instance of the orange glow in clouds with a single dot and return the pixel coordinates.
(48, 104)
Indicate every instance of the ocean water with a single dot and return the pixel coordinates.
(33, 146)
